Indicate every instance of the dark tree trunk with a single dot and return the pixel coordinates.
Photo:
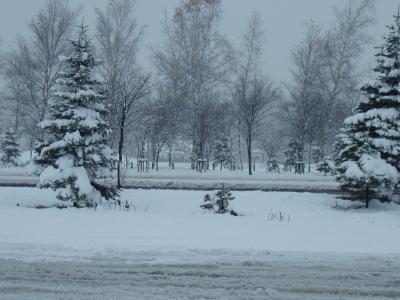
(368, 198)
(240, 147)
(153, 155)
(31, 146)
(309, 157)
(193, 159)
(157, 158)
(120, 149)
(170, 157)
(249, 142)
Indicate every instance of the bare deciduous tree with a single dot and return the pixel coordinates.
(119, 37)
(51, 29)
(306, 103)
(344, 44)
(159, 113)
(195, 64)
(33, 67)
(252, 90)
(325, 76)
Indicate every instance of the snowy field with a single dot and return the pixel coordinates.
(173, 220)
(285, 246)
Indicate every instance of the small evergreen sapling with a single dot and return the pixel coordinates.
(272, 166)
(207, 203)
(223, 152)
(326, 167)
(292, 155)
(10, 149)
(224, 196)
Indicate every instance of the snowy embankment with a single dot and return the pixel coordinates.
(182, 178)
(172, 222)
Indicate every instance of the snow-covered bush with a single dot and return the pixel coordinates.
(221, 204)
(76, 157)
(207, 203)
(223, 197)
(10, 149)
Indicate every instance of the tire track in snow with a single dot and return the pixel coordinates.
(278, 279)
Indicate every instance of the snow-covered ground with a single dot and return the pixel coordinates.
(172, 220)
(182, 177)
(269, 277)
(285, 246)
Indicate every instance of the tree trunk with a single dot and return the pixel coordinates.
(322, 149)
(309, 157)
(31, 146)
(120, 148)
(157, 158)
(193, 163)
(368, 198)
(240, 151)
(153, 155)
(170, 157)
(249, 142)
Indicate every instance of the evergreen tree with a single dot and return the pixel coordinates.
(207, 203)
(292, 154)
(10, 148)
(361, 170)
(368, 163)
(76, 157)
(382, 110)
(326, 166)
(222, 202)
(272, 166)
(222, 151)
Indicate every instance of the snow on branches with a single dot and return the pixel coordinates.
(368, 162)
(76, 157)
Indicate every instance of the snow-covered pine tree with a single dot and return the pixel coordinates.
(292, 154)
(222, 202)
(369, 158)
(10, 148)
(361, 170)
(382, 110)
(222, 151)
(207, 203)
(326, 166)
(272, 166)
(76, 157)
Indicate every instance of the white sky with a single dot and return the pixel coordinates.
(282, 20)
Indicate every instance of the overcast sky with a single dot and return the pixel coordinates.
(282, 20)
